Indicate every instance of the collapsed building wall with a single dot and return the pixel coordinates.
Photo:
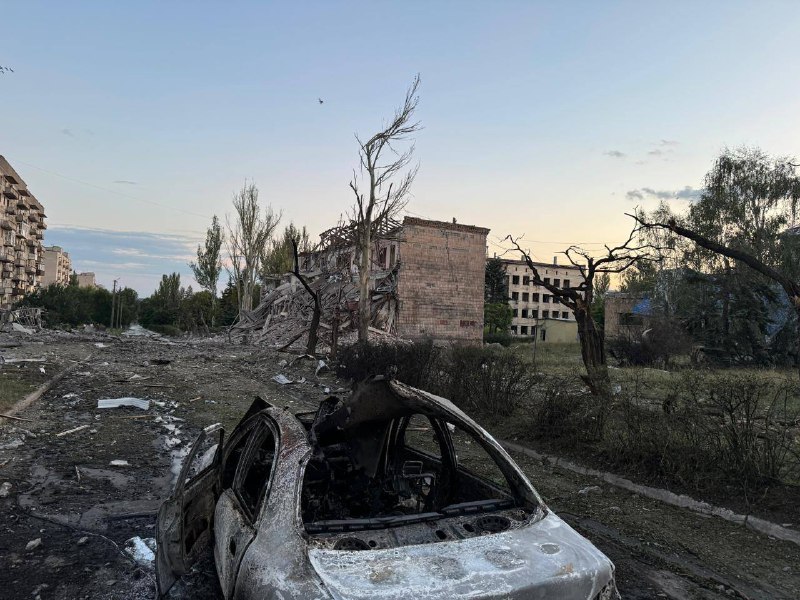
(426, 281)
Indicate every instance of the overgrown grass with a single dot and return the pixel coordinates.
(13, 388)
(699, 428)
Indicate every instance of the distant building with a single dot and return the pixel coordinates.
(57, 266)
(533, 307)
(21, 232)
(627, 315)
(86, 280)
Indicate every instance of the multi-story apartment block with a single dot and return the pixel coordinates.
(57, 266)
(22, 229)
(86, 280)
(534, 308)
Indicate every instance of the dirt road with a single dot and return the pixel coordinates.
(66, 493)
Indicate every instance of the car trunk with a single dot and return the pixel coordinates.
(546, 559)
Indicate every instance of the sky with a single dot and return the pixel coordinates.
(134, 122)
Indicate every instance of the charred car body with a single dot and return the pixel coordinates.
(392, 493)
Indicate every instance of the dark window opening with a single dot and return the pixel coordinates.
(256, 471)
(557, 282)
(535, 297)
(515, 279)
(566, 283)
(545, 314)
(525, 296)
(524, 330)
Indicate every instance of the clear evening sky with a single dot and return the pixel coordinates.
(133, 122)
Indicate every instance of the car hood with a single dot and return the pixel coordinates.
(547, 559)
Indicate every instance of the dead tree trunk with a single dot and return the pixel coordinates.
(578, 298)
(313, 330)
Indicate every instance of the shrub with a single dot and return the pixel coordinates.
(502, 338)
(485, 380)
(411, 362)
(559, 410)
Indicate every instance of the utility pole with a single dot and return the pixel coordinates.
(113, 298)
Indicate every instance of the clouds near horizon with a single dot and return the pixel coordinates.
(137, 258)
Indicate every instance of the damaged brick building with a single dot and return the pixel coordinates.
(426, 281)
(440, 283)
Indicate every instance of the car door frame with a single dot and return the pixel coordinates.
(172, 557)
(234, 518)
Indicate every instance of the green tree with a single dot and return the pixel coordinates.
(495, 282)
(209, 262)
(497, 316)
(278, 258)
(743, 219)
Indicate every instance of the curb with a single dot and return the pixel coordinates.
(679, 500)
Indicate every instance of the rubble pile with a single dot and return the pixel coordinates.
(283, 317)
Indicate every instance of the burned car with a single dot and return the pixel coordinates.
(390, 493)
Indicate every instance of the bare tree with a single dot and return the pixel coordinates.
(248, 234)
(579, 299)
(209, 262)
(313, 329)
(386, 190)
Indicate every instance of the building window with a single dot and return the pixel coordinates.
(514, 329)
(526, 280)
(534, 314)
(525, 296)
(546, 298)
(544, 334)
(515, 280)
(524, 313)
(565, 315)
(566, 283)
(534, 297)
(515, 296)
(524, 330)
(545, 314)
(557, 282)
(515, 312)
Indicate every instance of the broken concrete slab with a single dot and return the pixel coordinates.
(128, 401)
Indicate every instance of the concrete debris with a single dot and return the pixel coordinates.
(12, 360)
(282, 379)
(5, 489)
(22, 320)
(100, 345)
(592, 489)
(83, 541)
(321, 365)
(12, 444)
(73, 430)
(283, 317)
(119, 463)
(142, 551)
(118, 402)
(33, 544)
(283, 362)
